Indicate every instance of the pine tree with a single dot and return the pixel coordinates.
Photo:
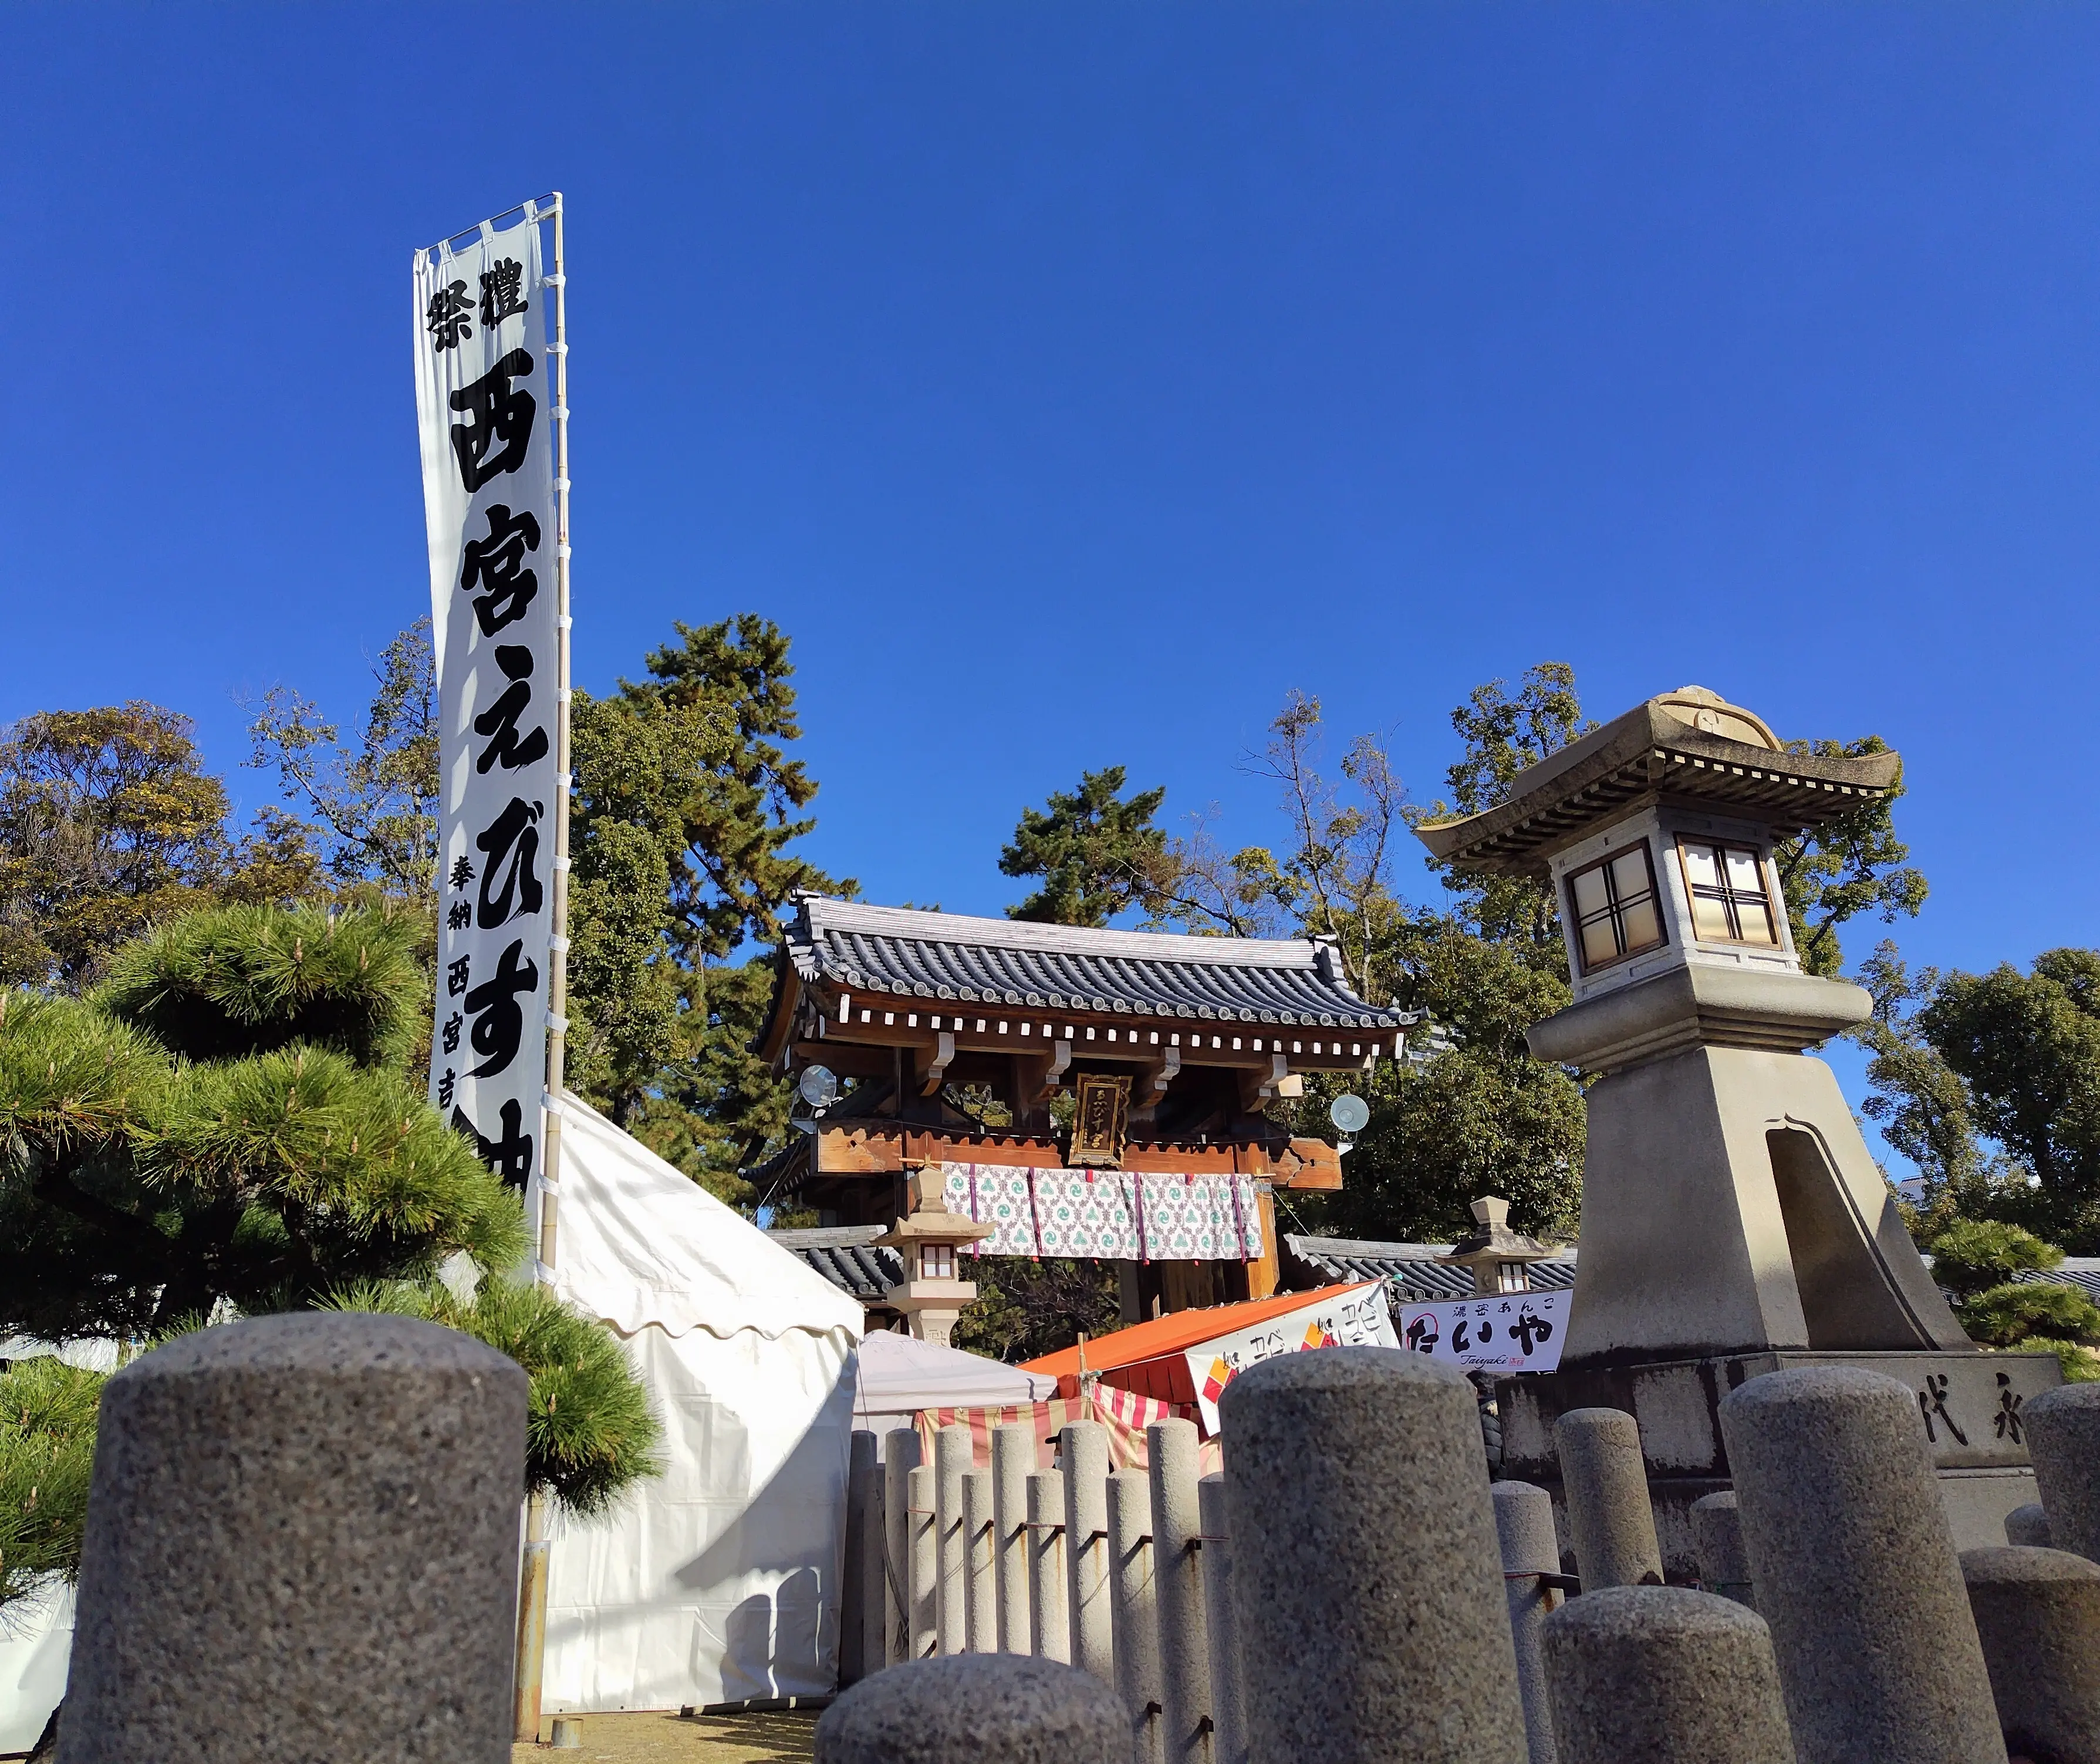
(225, 1127)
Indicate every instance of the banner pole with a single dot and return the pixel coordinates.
(532, 1578)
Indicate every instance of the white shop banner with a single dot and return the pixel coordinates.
(485, 409)
(1343, 1316)
(1505, 1332)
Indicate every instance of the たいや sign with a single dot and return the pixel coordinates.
(1343, 1316)
(1503, 1332)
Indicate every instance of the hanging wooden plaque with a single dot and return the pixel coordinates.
(1097, 1127)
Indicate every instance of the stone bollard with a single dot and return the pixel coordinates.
(1854, 1570)
(2038, 1616)
(302, 1543)
(1221, 1624)
(1084, 1452)
(857, 1592)
(874, 1549)
(1134, 1602)
(923, 1565)
(1356, 1496)
(1611, 1524)
(1012, 1457)
(1049, 1603)
(2063, 1436)
(976, 1710)
(1523, 1524)
(952, 1458)
(900, 1458)
(1717, 1534)
(2029, 1526)
(1177, 1572)
(981, 1585)
(1663, 1675)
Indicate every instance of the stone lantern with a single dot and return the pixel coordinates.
(1500, 1258)
(931, 1240)
(1733, 1218)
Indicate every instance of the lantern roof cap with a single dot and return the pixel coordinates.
(1690, 745)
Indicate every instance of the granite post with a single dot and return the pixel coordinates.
(874, 1549)
(1610, 1523)
(1523, 1525)
(981, 1582)
(2038, 1616)
(1717, 1532)
(2063, 1435)
(1221, 1624)
(2029, 1526)
(1012, 1457)
(856, 1590)
(1663, 1675)
(1049, 1603)
(1084, 1454)
(923, 1565)
(976, 1709)
(301, 1542)
(900, 1458)
(1356, 1484)
(1177, 1549)
(1133, 1599)
(1854, 1567)
(952, 1458)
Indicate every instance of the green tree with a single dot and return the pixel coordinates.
(1977, 1262)
(2023, 1053)
(108, 824)
(1853, 865)
(46, 1451)
(724, 829)
(1024, 1308)
(373, 808)
(1501, 735)
(223, 1122)
(1097, 852)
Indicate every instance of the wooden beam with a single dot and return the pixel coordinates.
(937, 1068)
(1152, 1082)
(1053, 1074)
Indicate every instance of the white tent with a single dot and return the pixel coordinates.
(899, 1374)
(720, 1580)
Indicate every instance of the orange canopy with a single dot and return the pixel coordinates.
(1147, 1357)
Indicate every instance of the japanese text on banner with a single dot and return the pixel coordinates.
(1504, 1332)
(1346, 1316)
(484, 414)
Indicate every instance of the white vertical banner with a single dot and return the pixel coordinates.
(485, 409)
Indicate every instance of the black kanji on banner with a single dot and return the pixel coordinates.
(492, 568)
(506, 748)
(512, 842)
(495, 414)
(500, 296)
(450, 317)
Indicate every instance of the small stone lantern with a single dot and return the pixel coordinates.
(931, 1240)
(1500, 1258)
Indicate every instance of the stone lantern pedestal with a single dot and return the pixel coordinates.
(1733, 1220)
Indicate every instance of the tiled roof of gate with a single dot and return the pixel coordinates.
(910, 953)
(2082, 1271)
(846, 1256)
(1412, 1268)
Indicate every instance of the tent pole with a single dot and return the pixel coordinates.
(532, 1576)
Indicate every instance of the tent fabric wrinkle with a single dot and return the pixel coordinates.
(720, 1579)
(648, 1246)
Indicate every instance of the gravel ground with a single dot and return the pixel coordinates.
(665, 1738)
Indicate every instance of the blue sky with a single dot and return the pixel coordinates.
(1074, 382)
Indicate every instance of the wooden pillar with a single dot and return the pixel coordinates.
(1263, 1272)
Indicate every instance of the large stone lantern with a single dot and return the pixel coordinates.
(1733, 1219)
